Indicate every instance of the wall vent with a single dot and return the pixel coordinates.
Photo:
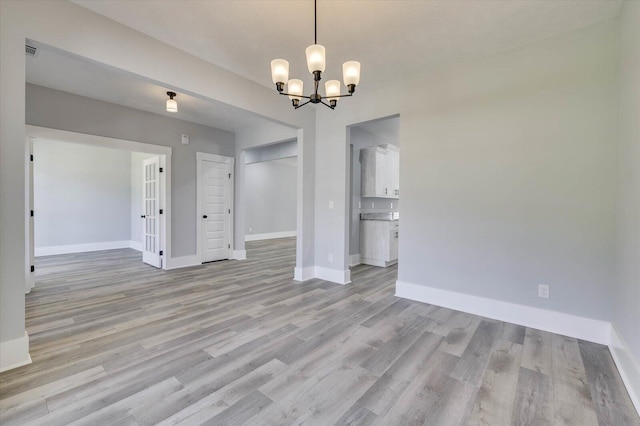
(31, 50)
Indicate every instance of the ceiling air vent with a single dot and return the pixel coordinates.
(31, 50)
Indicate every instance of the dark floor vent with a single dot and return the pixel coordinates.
(31, 50)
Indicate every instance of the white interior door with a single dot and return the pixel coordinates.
(216, 210)
(151, 212)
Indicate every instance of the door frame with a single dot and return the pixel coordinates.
(164, 152)
(200, 157)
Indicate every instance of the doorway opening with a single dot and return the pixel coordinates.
(271, 194)
(90, 193)
(374, 192)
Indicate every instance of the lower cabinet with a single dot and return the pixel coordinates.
(379, 242)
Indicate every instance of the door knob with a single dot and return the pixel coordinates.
(143, 216)
(204, 216)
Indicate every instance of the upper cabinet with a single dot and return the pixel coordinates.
(380, 171)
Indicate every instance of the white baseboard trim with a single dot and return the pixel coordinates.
(136, 245)
(14, 353)
(269, 236)
(627, 366)
(183, 262)
(304, 274)
(541, 319)
(354, 259)
(81, 248)
(239, 254)
(334, 275)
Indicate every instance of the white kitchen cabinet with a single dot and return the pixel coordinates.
(379, 242)
(380, 175)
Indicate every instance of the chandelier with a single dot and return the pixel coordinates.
(316, 64)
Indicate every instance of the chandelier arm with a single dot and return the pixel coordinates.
(301, 105)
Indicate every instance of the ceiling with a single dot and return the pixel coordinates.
(69, 73)
(392, 39)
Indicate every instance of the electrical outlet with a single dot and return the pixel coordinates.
(391, 205)
(543, 291)
(330, 257)
(359, 204)
(372, 205)
(250, 229)
(331, 204)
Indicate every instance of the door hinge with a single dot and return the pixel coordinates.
(161, 169)
(31, 157)
(229, 175)
(161, 211)
(33, 268)
(229, 245)
(31, 213)
(229, 211)
(161, 252)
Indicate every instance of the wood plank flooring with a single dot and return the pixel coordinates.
(115, 341)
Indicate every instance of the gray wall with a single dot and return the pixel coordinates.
(626, 318)
(360, 138)
(59, 110)
(82, 194)
(271, 196)
(508, 170)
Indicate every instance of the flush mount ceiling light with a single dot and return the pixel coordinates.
(316, 64)
(172, 105)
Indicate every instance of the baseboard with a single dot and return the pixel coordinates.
(183, 262)
(81, 248)
(541, 319)
(304, 274)
(239, 254)
(354, 259)
(627, 366)
(269, 236)
(334, 275)
(136, 245)
(376, 262)
(14, 353)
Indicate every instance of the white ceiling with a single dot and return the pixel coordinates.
(69, 73)
(392, 39)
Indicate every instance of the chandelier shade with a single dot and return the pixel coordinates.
(279, 71)
(316, 58)
(316, 63)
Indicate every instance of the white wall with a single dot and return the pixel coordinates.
(136, 198)
(271, 196)
(626, 292)
(82, 195)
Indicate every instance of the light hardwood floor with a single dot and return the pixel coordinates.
(114, 341)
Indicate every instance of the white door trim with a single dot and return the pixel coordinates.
(200, 157)
(102, 141)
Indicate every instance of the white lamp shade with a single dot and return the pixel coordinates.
(315, 58)
(172, 105)
(279, 71)
(332, 89)
(351, 72)
(294, 88)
